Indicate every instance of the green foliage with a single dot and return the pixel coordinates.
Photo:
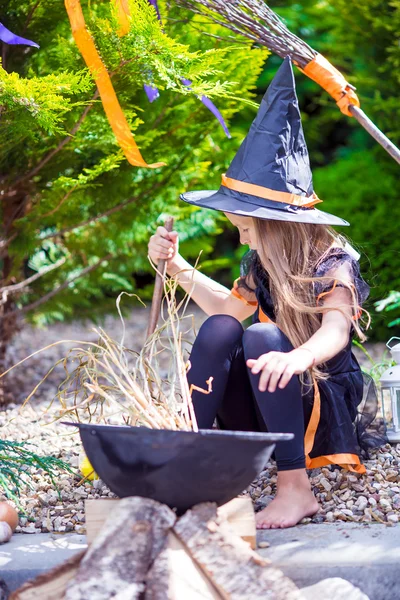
(392, 302)
(87, 203)
(353, 188)
(375, 369)
(361, 182)
(78, 197)
(18, 463)
(31, 106)
(354, 176)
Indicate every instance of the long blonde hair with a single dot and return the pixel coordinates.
(289, 253)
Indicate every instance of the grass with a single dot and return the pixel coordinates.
(377, 367)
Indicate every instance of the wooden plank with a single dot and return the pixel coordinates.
(175, 576)
(238, 512)
(96, 512)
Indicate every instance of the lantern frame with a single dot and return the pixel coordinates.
(390, 382)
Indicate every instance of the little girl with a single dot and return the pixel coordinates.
(292, 370)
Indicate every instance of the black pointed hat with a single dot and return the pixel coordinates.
(270, 176)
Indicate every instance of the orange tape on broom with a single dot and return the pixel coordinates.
(328, 77)
(112, 108)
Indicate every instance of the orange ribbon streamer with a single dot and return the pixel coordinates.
(122, 7)
(112, 108)
(267, 194)
(328, 77)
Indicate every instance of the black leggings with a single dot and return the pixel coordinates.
(220, 350)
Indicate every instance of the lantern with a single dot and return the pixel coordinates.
(390, 394)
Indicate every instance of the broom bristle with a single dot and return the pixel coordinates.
(109, 382)
(255, 20)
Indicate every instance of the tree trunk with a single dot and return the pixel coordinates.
(12, 208)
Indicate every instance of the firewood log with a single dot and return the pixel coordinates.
(236, 571)
(119, 558)
(174, 575)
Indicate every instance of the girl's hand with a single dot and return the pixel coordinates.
(280, 366)
(164, 244)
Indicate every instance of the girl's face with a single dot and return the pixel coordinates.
(246, 229)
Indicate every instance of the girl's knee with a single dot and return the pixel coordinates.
(264, 337)
(220, 329)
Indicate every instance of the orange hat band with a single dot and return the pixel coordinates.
(267, 194)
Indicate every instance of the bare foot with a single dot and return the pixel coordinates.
(294, 500)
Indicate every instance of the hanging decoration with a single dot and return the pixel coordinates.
(151, 91)
(211, 107)
(8, 37)
(112, 108)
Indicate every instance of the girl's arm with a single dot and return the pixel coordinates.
(327, 342)
(333, 335)
(211, 296)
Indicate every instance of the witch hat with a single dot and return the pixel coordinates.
(270, 176)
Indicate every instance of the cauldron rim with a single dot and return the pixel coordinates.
(256, 436)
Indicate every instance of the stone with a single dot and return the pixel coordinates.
(325, 484)
(30, 529)
(392, 518)
(361, 503)
(352, 478)
(329, 517)
(334, 588)
(385, 504)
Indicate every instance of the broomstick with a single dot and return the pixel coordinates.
(256, 21)
(158, 286)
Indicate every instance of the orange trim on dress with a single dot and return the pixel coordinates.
(263, 317)
(268, 194)
(236, 294)
(347, 461)
(354, 317)
(123, 14)
(313, 423)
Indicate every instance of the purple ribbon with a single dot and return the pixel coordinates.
(8, 37)
(211, 107)
(153, 93)
(154, 3)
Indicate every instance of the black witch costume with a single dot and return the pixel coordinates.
(270, 178)
(344, 420)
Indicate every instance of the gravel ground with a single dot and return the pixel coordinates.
(343, 496)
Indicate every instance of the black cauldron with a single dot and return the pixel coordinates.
(177, 468)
